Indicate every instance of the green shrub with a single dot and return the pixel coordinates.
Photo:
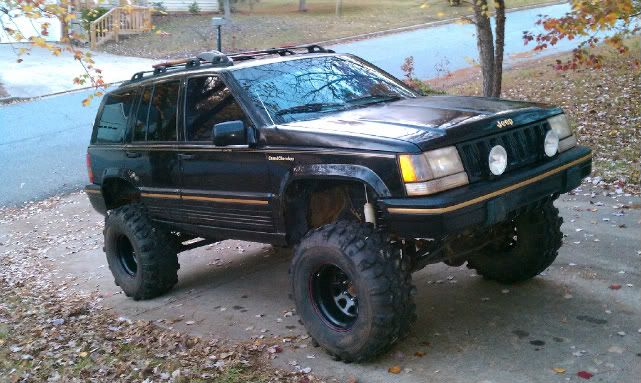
(194, 8)
(90, 14)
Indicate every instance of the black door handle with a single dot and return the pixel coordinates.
(186, 156)
(133, 154)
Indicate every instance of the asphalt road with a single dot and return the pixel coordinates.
(445, 48)
(470, 329)
(43, 145)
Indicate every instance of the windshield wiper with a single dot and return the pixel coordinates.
(372, 99)
(310, 108)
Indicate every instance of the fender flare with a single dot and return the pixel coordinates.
(336, 172)
(118, 175)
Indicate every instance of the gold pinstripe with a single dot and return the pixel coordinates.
(209, 199)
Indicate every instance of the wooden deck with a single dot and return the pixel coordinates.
(119, 21)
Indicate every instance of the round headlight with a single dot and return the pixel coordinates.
(551, 143)
(497, 160)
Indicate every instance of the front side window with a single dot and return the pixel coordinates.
(112, 124)
(304, 89)
(209, 102)
(157, 113)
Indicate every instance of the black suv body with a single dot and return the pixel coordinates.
(299, 148)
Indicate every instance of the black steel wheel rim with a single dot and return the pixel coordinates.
(335, 296)
(126, 255)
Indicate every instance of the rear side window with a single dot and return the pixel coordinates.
(209, 102)
(112, 123)
(157, 113)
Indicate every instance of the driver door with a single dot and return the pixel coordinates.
(223, 187)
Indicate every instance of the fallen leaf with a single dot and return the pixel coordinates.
(615, 286)
(394, 370)
(584, 374)
(559, 370)
(419, 354)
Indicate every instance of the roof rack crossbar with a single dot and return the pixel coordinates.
(282, 51)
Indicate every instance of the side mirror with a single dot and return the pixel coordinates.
(229, 133)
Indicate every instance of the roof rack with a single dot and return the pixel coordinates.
(282, 51)
(219, 59)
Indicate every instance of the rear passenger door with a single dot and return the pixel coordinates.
(153, 148)
(224, 187)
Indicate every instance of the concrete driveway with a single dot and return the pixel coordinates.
(468, 329)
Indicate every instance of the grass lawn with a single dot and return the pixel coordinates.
(271, 23)
(604, 106)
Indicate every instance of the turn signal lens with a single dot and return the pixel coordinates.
(414, 167)
(567, 143)
(437, 185)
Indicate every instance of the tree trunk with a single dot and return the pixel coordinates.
(485, 44)
(302, 6)
(339, 8)
(227, 9)
(498, 47)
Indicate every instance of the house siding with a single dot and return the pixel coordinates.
(171, 5)
(183, 5)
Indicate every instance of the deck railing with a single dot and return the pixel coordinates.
(119, 21)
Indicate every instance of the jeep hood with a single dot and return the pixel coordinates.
(426, 122)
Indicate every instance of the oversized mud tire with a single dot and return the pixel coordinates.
(141, 257)
(537, 239)
(352, 289)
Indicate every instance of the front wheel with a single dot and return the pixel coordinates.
(531, 243)
(352, 289)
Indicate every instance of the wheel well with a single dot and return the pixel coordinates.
(309, 204)
(118, 192)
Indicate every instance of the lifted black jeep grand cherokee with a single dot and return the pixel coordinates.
(327, 153)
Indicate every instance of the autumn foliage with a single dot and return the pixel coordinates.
(41, 9)
(594, 22)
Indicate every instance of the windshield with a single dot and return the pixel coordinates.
(304, 89)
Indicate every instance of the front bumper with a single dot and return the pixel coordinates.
(485, 203)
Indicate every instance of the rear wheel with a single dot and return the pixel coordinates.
(531, 244)
(141, 257)
(352, 290)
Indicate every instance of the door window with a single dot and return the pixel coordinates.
(157, 113)
(209, 102)
(112, 123)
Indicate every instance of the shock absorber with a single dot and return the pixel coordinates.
(368, 209)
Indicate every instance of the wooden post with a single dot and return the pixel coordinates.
(92, 34)
(148, 19)
(116, 24)
(339, 8)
